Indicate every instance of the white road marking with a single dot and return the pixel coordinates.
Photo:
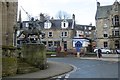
(59, 77)
(67, 75)
(74, 69)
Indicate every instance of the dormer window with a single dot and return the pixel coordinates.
(64, 24)
(90, 28)
(47, 25)
(85, 28)
(27, 24)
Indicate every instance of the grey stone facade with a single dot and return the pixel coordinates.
(8, 19)
(108, 25)
(59, 32)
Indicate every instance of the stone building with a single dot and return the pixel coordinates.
(108, 25)
(59, 32)
(87, 31)
(8, 19)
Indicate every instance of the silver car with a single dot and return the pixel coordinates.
(104, 50)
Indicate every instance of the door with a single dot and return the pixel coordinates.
(65, 45)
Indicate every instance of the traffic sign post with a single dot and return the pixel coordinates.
(78, 46)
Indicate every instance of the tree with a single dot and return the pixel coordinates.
(62, 15)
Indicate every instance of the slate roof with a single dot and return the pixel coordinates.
(103, 11)
(82, 27)
(56, 23)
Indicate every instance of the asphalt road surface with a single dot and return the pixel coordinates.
(89, 68)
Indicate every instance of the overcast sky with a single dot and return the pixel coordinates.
(84, 10)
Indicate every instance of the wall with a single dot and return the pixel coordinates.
(57, 37)
(35, 54)
(9, 18)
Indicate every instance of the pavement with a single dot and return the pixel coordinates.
(58, 68)
(54, 69)
(105, 57)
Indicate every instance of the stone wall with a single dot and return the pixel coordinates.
(9, 66)
(35, 54)
(9, 61)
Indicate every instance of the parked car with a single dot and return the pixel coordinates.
(118, 51)
(53, 48)
(104, 50)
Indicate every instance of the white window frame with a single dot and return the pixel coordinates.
(47, 25)
(105, 45)
(116, 20)
(63, 34)
(49, 34)
(90, 28)
(64, 24)
(114, 32)
(27, 25)
(85, 28)
(106, 34)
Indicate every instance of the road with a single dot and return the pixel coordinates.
(89, 68)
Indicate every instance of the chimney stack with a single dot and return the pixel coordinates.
(98, 4)
(42, 17)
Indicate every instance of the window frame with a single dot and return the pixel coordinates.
(105, 35)
(64, 24)
(64, 34)
(115, 32)
(50, 34)
(50, 43)
(47, 25)
(105, 44)
(116, 20)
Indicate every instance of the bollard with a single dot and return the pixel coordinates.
(78, 54)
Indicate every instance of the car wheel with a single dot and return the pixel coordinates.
(95, 51)
(107, 52)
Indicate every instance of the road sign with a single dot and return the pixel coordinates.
(78, 45)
